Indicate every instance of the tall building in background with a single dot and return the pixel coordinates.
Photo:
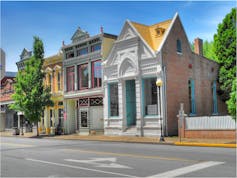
(2, 64)
(25, 55)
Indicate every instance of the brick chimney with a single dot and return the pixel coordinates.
(198, 46)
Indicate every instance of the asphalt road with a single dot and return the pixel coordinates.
(34, 157)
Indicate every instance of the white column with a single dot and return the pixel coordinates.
(19, 121)
(121, 103)
(75, 76)
(64, 79)
(106, 105)
(89, 74)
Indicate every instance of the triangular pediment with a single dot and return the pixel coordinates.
(145, 52)
(127, 32)
(79, 35)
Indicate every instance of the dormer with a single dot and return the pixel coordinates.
(160, 31)
(79, 35)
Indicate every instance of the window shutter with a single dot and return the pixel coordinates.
(215, 110)
(193, 97)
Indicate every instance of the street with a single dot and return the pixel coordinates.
(35, 157)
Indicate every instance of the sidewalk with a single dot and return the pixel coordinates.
(133, 139)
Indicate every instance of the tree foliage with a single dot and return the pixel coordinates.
(225, 50)
(30, 95)
(208, 50)
(231, 103)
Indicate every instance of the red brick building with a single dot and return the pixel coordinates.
(145, 54)
(8, 116)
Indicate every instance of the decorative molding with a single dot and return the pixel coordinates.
(48, 70)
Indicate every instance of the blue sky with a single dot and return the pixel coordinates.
(55, 21)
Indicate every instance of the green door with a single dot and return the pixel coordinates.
(130, 102)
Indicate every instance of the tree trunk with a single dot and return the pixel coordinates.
(37, 129)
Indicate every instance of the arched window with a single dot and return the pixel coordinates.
(178, 46)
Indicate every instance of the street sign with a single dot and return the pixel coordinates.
(101, 162)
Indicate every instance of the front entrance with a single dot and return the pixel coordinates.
(130, 102)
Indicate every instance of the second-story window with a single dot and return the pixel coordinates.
(69, 54)
(50, 81)
(59, 81)
(70, 78)
(96, 74)
(82, 51)
(179, 46)
(83, 76)
(95, 47)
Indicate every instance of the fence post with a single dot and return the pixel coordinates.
(181, 116)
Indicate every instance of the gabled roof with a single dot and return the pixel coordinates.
(79, 35)
(153, 34)
(25, 54)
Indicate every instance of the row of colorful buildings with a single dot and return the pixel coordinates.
(108, 83)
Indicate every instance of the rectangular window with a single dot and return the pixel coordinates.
(59, 81)
(150, 96)
(84, 119)
(191, 90)
(83, 76)
(82, 51)
(51, 117)
(214, 98)
(95, 47)
(60, 117)
(96, 74)
(113, 99)
(69, 55)
(50, 81)
(70, 78)
(179, 46)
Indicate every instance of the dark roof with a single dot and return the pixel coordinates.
(10, 74)
(110, 35)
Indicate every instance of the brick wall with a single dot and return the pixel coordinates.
(207, 133)
(179, 69)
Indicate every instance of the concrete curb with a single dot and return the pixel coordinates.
(205, 144)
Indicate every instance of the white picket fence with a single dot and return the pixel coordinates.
(210, 122)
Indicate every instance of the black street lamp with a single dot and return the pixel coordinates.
(159, 83)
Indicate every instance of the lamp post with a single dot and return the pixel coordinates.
(159, 83)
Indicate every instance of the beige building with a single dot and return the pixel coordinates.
(53, 116)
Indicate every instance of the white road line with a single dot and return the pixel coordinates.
(188, 169)
(16, 144)
(78, 167)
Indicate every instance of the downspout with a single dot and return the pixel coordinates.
(164, 98)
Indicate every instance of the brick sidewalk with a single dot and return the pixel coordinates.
(133, 139)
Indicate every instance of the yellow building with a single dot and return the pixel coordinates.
(53, 116)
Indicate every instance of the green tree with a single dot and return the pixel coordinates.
(231, 103)
(208, 50)
(225, 50)
(30, 95)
